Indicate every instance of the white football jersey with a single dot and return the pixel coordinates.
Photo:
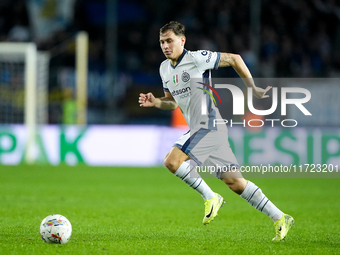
(185, 82)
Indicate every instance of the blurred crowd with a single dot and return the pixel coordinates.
(298, 38)
(14, 21)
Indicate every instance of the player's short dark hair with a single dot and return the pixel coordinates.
(174, 26)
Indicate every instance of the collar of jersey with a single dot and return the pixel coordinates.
(179, 59)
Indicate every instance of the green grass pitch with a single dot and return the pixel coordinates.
(119, 210)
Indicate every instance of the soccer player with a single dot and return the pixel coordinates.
(203, 143)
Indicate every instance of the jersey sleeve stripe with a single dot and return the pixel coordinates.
(217, 60)
(166, 89)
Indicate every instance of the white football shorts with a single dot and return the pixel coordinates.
(209, 148)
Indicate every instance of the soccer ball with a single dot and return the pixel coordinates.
(55, 228)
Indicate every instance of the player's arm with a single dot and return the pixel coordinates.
(165, 103)
(236, 61)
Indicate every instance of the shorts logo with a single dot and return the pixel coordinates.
(185, 77)
(208, 92)
(204, 53)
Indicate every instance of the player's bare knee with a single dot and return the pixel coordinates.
(174, 159)
(236, 184)
(236, 188)
(167, 155)
(171, 163)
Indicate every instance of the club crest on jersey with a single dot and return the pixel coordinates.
(175, 78)
(185, 77)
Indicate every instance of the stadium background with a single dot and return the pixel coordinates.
(281, 39)
(296, 39)
(284, 39)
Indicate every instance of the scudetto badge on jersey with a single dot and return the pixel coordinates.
(175, 78)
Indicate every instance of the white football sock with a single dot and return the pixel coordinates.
(258, 200)
(194, 180)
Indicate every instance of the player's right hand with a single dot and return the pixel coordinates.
(146, 100)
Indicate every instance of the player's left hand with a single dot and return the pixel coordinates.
(260, 92)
